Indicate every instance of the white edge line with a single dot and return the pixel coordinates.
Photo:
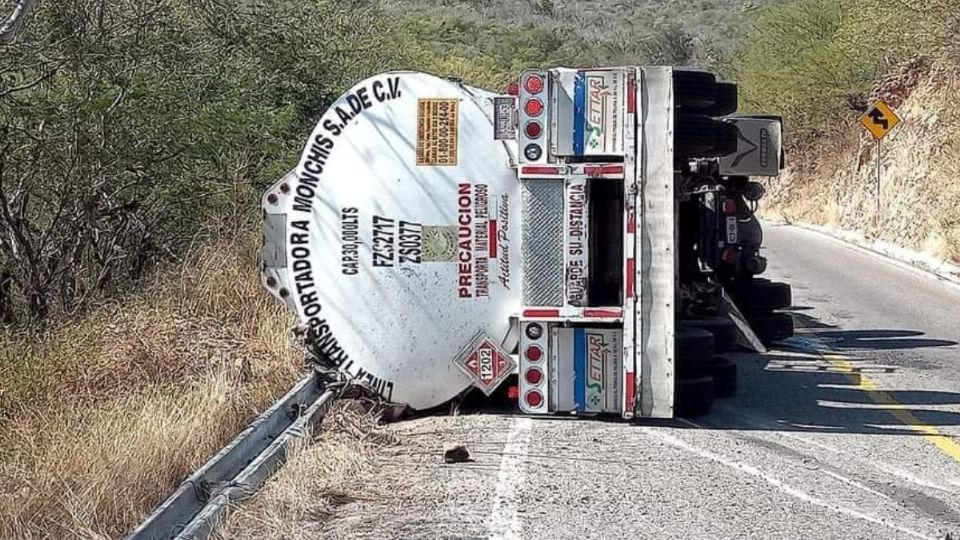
(902, 474)
(505, 520)
(783, 487)
(851, 482)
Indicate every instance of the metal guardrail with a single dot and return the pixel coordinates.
(237, 471)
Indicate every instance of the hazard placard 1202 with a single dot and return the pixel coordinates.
(437, 132)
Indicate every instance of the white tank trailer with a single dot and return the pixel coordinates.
(567, 243)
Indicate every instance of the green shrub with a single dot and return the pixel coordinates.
(811, 59)
(125, 132)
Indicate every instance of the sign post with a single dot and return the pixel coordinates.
(879, 120)
(879, 150)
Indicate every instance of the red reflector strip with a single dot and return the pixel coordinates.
(631, 222)
(547, 313)
(493, 239)
(631, 270)
(631, 94)
(540, 170)
(630, 391)
(602, 170)
(603, 313)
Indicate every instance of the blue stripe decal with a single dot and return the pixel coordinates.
(580, 367)
(579, 112)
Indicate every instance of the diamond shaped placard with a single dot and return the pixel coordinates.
(485, 362)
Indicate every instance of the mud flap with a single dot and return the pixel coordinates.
(746, 337)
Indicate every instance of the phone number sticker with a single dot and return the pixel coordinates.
(437, 132)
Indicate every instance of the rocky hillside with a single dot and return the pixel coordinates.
(834, 183)
(821, 64)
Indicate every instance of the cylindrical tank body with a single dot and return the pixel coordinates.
(396, 237)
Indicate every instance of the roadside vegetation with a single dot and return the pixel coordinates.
(105, 415)
(340, 468)
(135, 139)
(706, 33)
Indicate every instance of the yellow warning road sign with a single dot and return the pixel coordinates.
(879, 119)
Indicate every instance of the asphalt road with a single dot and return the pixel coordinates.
(851, 431)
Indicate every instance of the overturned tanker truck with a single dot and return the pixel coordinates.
(573, 244)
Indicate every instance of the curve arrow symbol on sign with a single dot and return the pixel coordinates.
(877, 116)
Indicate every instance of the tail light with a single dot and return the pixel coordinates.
(513, 392)
(534, 398)
(533, 129)
(513, 89)
(533, 84)
(533, 107)
(533, 369)
(729, 206)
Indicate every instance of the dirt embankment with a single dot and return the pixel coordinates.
(832, 179)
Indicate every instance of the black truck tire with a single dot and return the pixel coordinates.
(693, 348)
(772, 326)
(694, 89)
(700, 136)
(724, 373)
(723, 330)
(693, 396)
(761, 296)
(726, 102)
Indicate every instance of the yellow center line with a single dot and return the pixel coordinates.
(901, 412)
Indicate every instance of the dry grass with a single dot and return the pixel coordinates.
(363, 481)
(101, 418)
(834, 182)
(335, 470)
